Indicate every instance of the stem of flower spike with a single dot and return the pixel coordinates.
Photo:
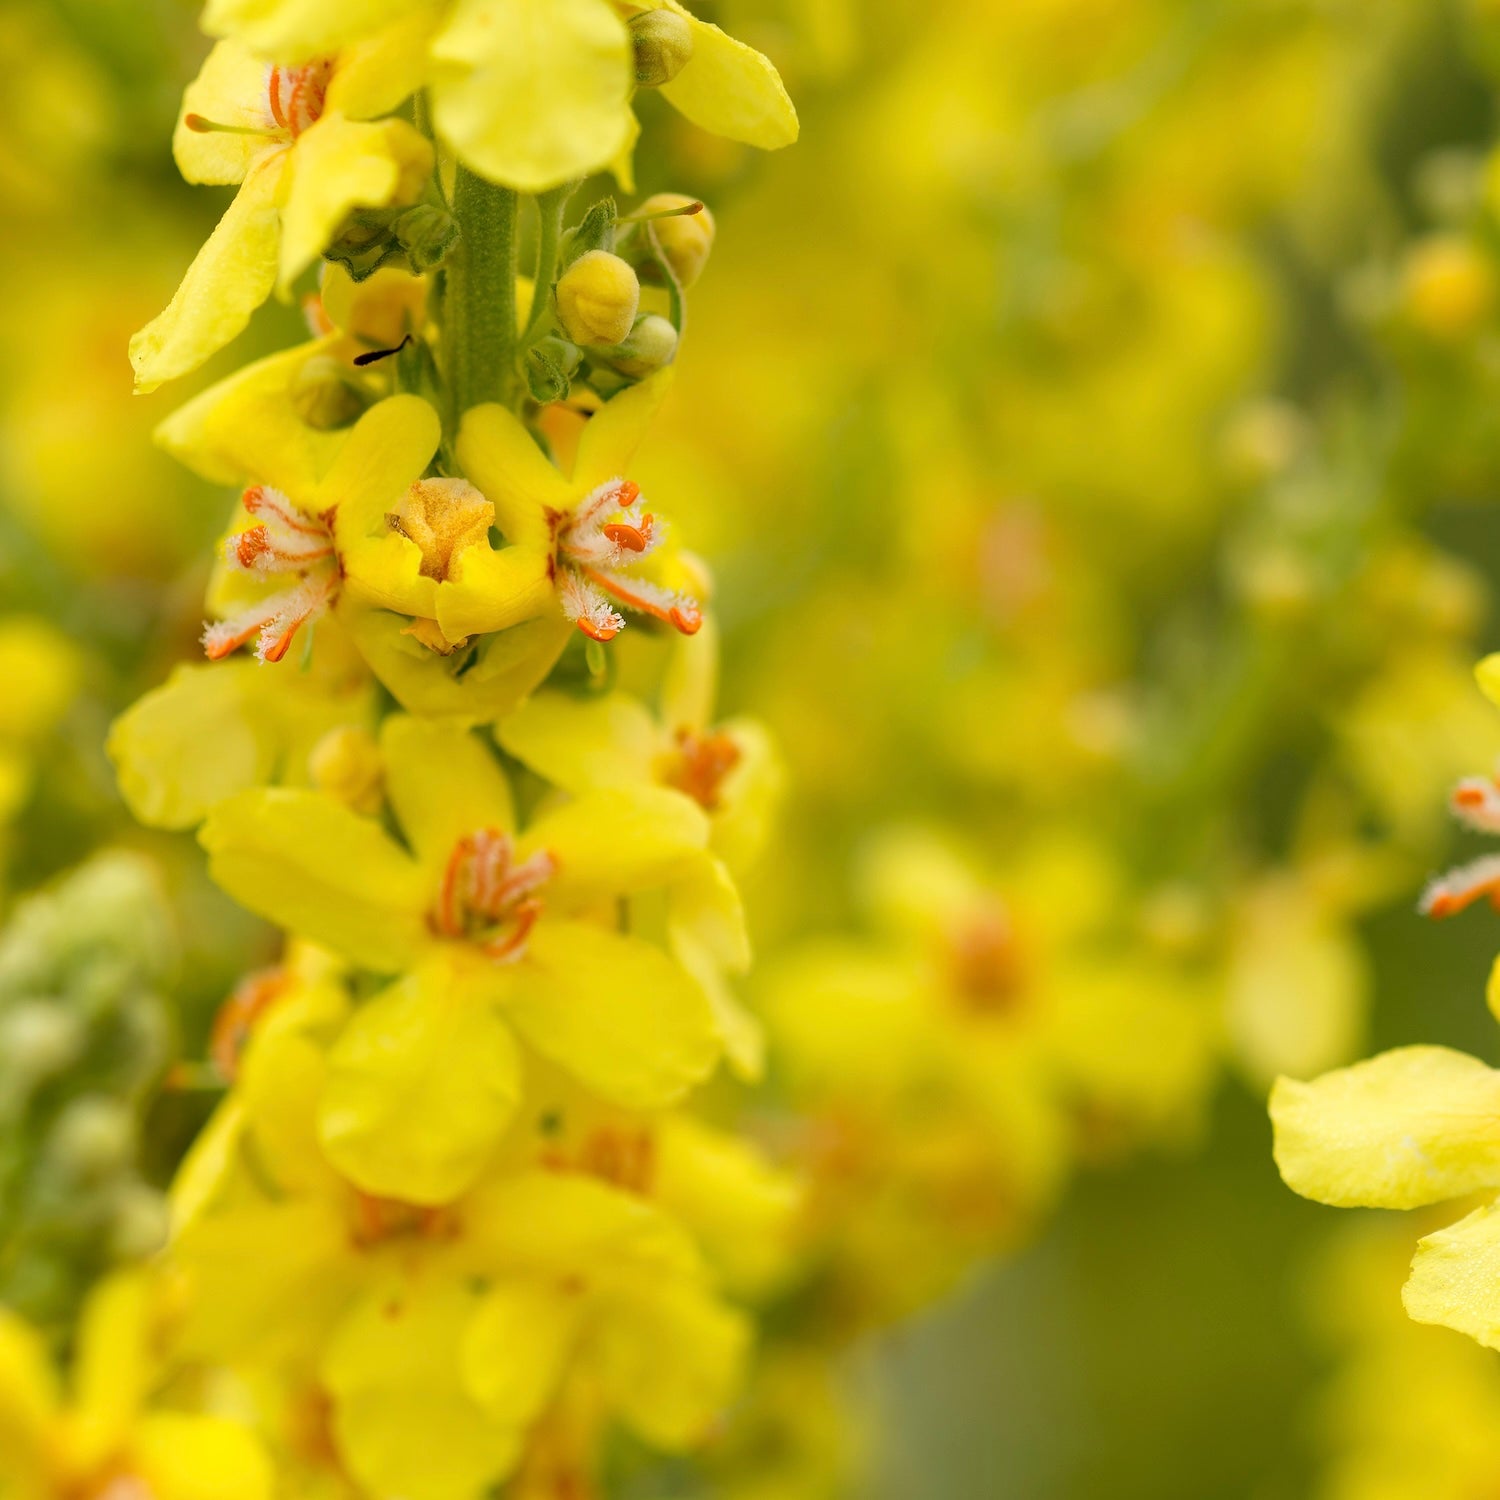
(549, 207)
(479, 306)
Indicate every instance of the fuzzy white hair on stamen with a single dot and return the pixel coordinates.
(1461, 885)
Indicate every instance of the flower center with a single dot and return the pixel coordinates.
(442, 517)
(985, 962)
(622, 1157)
(700, 766)
(607, 534)
(295, 96)
(378, 1220)
(488, 896)
(283, 542)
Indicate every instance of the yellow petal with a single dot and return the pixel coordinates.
(612, 843)
(230, 89)
(294, 31)
(1487, 674)
(1409, 1127)
(28, 1396)
(113, 1371)
(443, 784)
(338, 165)
(309, 864)
(612, 1010)
(690, 685)
(562, 1226)
(502, 460)
(1455, 1278)
(232, 275)
(207, 1170)
(475, 686)
(518, 1346)
(268, 1280)
(379, 71)
(245, 429)
(670, 1359)
(421, 1084)
(385, 451)
(732, 90)
(188, 1456)
(192, 742)
(493, 589)
(532, 95)
(614, 433)
(582, 744)
(404, 1422)
(750, 795)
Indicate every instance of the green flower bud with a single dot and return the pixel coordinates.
(597, 299)
(663, 43)
(325, 395)
(139, 1226)
(38, 1039)
(684, 239)
(93, 1138)
(652, 344)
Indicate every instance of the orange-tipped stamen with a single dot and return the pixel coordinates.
(676, 610)
(631, 538)
(1458, 889)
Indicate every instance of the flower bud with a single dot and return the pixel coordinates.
(651, 345)
(597, 299)
(685, 239)
(94, 1138)
(663, 43)
(345, 763)
(325, 395)
(139, 1222)
(38, 1039)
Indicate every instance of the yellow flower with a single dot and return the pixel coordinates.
(532, 94)
(110, 1438)
(494, 934)
(732, 771)
(299, 143)
(440, 1336)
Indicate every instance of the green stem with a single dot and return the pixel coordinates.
(549, 207)
(480, 302)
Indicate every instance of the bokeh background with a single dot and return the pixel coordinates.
(1093, 426)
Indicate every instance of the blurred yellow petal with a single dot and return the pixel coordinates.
(113, 1370)
(293, 31)
(612, 1010)
(732, 90)
(532, 95)
(671, 1359)
(614, 433)
(380, 71)
(1409, 1127)
(308, 863)
(230, 89)
(443, 784)
(404, 1422)
(338, 165)
(1455, 1278)
(518, 1345)
(28, 1393)
(612, 843)
(232, 275)
(189, 1456)
(581, 744)
(502, 459)
(421, 1084)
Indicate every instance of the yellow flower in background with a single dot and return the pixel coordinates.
(495, 934)
(43, 673)
(299, 142)
(529, 94)
(456, 1326)
(107, 1432)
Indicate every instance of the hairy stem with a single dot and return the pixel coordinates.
(480, 304)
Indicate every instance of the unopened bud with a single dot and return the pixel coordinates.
(38, 1039)
(652, 344)
(345, 763)
(685, 239)
(139, 1223)
(325, 395)
(94, 1138)
(663, 43)
(597, 299)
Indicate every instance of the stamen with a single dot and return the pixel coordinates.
(237, 1016)
(678, 610)
(631, 538)
(587, 607)
(1450, 893)
(262, 500)
(700, 769)
(485, 895)
(1475, 801)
